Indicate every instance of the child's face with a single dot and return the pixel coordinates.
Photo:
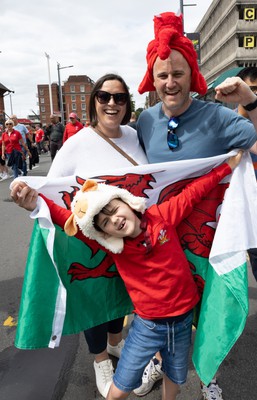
(121, 223)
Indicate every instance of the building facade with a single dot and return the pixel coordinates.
(75, 96)
(44, 102)
(228, 33)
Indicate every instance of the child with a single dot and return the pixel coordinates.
(146, 250)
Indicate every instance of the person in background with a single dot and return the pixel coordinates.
(249, 76)
(82, 155)
(39, 139)
(23, 131)
(133, 120)
(72, 127)
(180, 127)
(55, 132)
(12, 146)
(3, 168)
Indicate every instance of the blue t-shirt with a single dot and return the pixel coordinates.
(205, 129)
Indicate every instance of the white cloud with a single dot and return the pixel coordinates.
(95, 36)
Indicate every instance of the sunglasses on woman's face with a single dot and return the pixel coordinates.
(8, 124)
(104, 97)
(172, 138)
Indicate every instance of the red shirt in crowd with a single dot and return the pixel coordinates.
(71, 129)
(39, 135)
(12, 141)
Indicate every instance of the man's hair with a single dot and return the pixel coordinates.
(248, 72)
(98, 85)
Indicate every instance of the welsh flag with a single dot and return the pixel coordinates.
(70, 286)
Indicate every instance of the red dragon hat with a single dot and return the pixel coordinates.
(168, 32)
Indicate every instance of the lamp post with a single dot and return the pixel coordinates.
(182, 5)
(60, 89)
(49, 80)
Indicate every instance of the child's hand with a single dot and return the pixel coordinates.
(24, 196)
(235, 160)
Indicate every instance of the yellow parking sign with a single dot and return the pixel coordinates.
(248, 42)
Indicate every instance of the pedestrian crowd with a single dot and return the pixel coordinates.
(178, 127)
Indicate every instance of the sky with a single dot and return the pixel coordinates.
(95, 36)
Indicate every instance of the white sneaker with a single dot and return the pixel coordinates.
(103, 374)
(115, 350)
(5, 176)
(212, 391)
(152, 373)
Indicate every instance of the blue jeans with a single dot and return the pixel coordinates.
(145, 338)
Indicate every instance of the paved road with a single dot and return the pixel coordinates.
(67, 373)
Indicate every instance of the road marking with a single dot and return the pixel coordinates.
(10, 322)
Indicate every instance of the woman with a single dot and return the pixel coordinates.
(11, 147)
(89, 152)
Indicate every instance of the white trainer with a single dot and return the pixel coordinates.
(103, 374)
(152, 373)
(115, 350)
(212, 391)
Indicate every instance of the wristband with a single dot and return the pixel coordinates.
(251, 106)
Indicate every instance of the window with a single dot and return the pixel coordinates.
(41, 92)
(83, 106)
(84, 116)
(73, 107)
(72, 88)
(82, 88)
(43, 109)
(42, 100)
(73, 97)
(83, 97)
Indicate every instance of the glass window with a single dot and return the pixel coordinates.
(43, 109)
(72, 88)
(41, 92)
(83, 106)
(74, 107)
(73, 97)
(42, 100)
(83, 97)
(82, 88)
(84, 116)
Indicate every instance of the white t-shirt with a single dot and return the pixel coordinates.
(87, 154)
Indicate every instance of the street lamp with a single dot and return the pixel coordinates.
(182, 5)
(49, 82)
(60, 89)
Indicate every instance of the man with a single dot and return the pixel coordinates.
(72, 127)
(39, 139)
(180, 127)
(55, 134)
(249, 76)
(23, 131)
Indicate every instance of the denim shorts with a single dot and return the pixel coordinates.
(144, 339)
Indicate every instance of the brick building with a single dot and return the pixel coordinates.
(3, 92)
(44, 102)
(75, 94)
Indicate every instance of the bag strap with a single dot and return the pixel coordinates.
(115, 146)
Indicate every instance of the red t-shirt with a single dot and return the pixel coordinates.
(71, 129)
(12, 141)
(39, 135)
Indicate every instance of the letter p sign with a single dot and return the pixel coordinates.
(248, 42)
